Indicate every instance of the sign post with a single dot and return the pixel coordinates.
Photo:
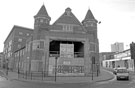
(93, 62)
(132, 51)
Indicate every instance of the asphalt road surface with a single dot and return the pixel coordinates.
(117, 83)
(4, 83)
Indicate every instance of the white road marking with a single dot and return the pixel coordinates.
(104, 82)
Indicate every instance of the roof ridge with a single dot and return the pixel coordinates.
(69, 14)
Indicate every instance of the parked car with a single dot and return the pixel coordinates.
(122, 73)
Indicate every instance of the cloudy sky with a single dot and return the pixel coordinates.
(117, 17)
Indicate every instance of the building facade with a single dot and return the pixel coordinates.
(68, 46)
(15, 40)
(117, 47)
(105, 56)
(121, 59)
(1, 59)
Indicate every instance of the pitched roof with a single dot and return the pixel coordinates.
(42, 12)
(89, 16)
(68, 18)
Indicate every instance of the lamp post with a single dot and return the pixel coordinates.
(19, 50)
(56, 67)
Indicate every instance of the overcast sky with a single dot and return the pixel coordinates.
(117, 17)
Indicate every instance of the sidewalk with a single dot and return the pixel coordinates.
(104, 76)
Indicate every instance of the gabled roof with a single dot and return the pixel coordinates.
(68, 18)
(42, 12)
(89, 16)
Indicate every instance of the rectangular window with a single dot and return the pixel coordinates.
(10, 42)
(68, 28)
(9, 49)
(20, 33)
(19, 40)
(8, 54)
(17, 54)
(27, 34)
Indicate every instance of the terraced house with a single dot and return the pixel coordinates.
(68, 46)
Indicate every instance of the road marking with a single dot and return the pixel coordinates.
(104, 82)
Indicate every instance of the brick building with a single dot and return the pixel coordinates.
(15, 40)
(1, 59)
(67, 44)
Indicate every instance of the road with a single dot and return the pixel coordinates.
(117, 83)
(4, 83)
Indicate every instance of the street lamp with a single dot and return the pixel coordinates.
(19, 50)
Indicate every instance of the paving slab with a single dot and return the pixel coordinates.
(103, 76)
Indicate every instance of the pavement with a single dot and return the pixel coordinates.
(104, 75)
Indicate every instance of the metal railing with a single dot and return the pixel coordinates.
(38, 75)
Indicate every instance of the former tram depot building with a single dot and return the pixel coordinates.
(68, 47)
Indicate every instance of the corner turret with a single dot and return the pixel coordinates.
(42, 18)
(42, 22)
(90, 23)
